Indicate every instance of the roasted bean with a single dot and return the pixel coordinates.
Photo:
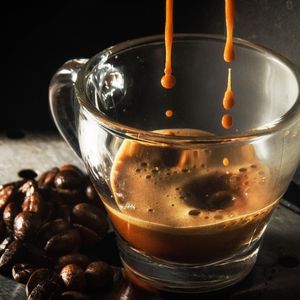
(48, 230)
(74, 295)
(48, 211)
(5, 243)
(36, 277)
(69, 167)
(89, 237)
(91, 217)
(91, 195)
(37, 256)
(51, 195)
(99, 275)
(73, 277)
(22, 272)
(11, 210)
(26, 225)
(69, 197)
(11, 255)
(63, 243)
(78, 259)
(2, 230)
(7, 194)
(68, 179)
(15, 184)
(47, 178)
(34, 203)
(63, 211)
(47, 289)
(29, 187)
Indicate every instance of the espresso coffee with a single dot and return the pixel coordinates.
(184, 205)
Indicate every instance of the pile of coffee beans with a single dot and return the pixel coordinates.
(48, 230)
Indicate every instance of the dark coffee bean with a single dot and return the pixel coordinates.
(51, 195)
(48, 211)
(89, 237)
(99, 275)
(3, 232)
(26, 225)
(72, 168)
(22, 272)
(7, 194)
(47, 289)
(11, 255)
(47, 178)
(27, 174)
(48, 230)
(15, 184)
(70, 197)
(34, 203)
(91, 195)
(91, 217)
(74, 295)
(68, 180)
(37, 256)
(73, 277)
(36, 277)
(63, 243)
(63, 211)
(11, 210)
(78, 259)
(5, 243)
(29, 187)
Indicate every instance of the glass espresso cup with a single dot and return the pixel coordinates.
(184, 221)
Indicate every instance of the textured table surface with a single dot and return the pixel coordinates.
(276, 274)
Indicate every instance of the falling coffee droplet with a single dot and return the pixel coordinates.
(225, 162)
(169, 113)
(168, 81)
(228, 100)
(227, 121)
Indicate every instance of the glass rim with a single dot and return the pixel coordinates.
(154, 137)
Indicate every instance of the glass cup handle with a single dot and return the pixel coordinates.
(61, 101)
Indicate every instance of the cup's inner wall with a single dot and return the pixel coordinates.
(126, 86)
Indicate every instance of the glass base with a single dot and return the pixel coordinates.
(150, 272)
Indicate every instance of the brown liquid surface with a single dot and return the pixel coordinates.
(183, 205)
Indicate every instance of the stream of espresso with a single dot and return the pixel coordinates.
(229, 17)
(228, 100)
(168, 81)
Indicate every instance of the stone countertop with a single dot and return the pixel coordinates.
(276, 274)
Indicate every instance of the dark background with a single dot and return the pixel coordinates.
(37, 39)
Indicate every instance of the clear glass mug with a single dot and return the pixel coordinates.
(184, 221)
